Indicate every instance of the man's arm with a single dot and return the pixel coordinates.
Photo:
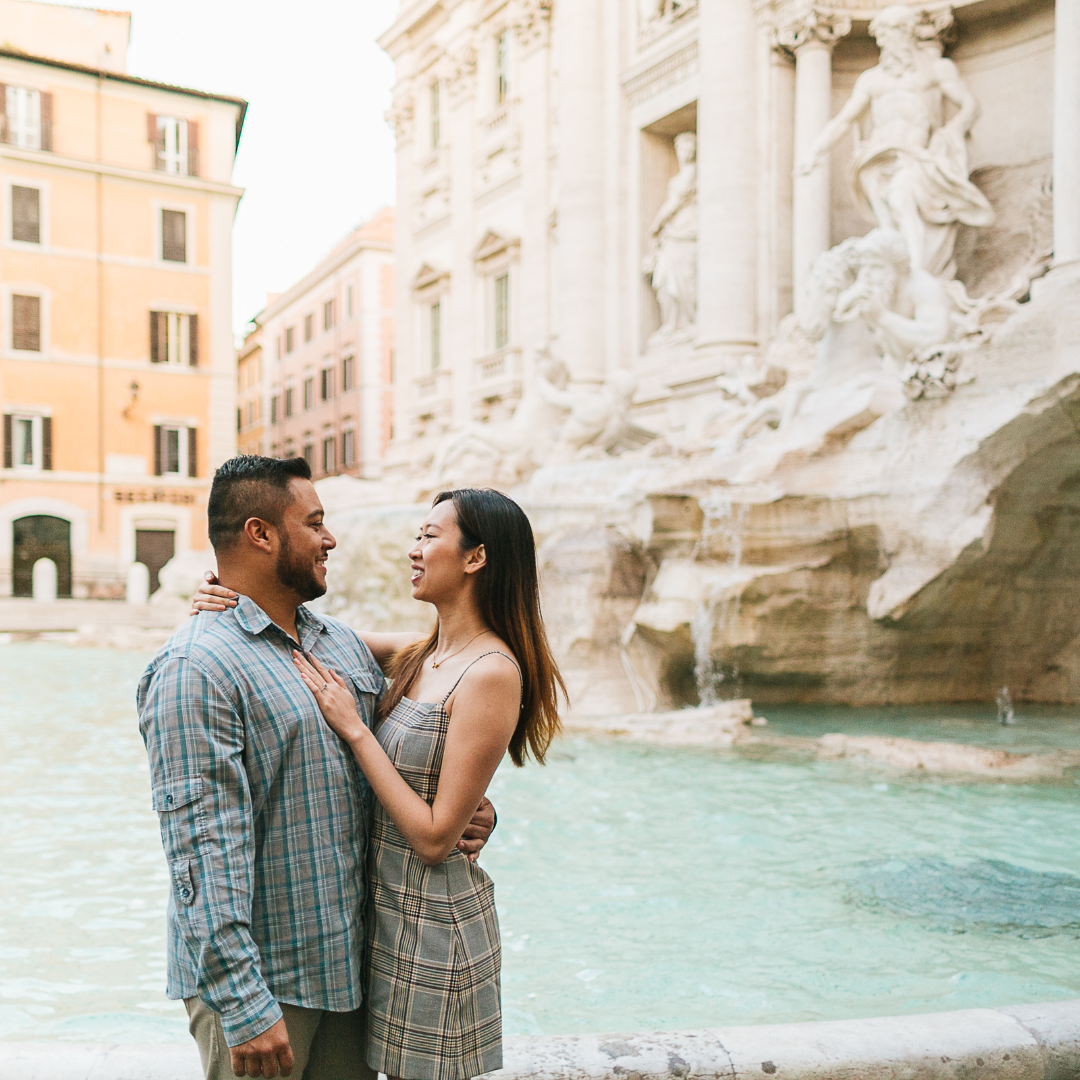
(834, 130)
(955, 90)
(195, 742)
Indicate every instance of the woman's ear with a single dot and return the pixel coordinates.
(477, 560)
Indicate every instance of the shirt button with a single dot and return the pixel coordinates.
(185, 893)
(168, 798)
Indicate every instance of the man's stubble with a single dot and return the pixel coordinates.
(296, 575)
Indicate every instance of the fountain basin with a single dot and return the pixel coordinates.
(1027, 1042)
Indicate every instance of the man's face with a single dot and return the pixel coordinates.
(304, 543)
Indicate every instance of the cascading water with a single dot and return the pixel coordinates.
(719, 606)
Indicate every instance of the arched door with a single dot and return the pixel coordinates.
(40, 537)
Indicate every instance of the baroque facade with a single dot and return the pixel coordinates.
(637, 193)
(117, 363)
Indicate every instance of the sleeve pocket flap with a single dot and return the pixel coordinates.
(181, 874)
(173, 794)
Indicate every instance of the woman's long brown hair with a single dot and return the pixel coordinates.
(508, 593)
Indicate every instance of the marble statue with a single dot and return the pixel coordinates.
(671, 257)
(911, 171)
(596, 422)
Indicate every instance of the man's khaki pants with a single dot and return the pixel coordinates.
(325, 1045)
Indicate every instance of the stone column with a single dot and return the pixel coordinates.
(727, 178)
(581, 255)
(811, 39)
(1067, 131)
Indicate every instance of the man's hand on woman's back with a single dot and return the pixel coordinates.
(478, 830)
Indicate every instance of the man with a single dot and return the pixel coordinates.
(262, 808)
(911, 171)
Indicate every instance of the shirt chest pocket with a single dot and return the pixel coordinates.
(181, 815)
(366, 688)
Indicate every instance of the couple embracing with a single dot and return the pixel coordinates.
(327, 918)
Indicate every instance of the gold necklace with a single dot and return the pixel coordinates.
(437, 663)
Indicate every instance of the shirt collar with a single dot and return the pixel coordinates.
(254, 620)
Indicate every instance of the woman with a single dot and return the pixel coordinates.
(483, 682)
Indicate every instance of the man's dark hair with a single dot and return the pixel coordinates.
(250, 486)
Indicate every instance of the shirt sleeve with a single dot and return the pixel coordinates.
(195, 742)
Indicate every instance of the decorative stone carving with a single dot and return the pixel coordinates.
(671, 258)
(813, 24)
(461, 70)
(401, 114)
(531, 20)
(655, 16)
(911, 173)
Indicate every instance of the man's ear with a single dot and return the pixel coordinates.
(477, 560)
(260, 534)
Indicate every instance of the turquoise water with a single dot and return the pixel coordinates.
(638, 888)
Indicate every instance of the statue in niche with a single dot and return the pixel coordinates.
(671, 258)
(911, 171)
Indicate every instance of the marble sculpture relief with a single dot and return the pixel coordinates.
(911, 171)
(671, 258)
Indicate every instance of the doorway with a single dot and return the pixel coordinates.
(40, 537)
(154, 548)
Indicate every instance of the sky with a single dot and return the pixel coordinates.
(316, 157)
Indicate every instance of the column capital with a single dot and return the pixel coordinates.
(811, 25)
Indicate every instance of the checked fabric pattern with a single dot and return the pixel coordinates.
(434, 958)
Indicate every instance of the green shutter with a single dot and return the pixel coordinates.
(46, 442)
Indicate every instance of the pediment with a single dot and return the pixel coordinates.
(427, 276)
(493, 244)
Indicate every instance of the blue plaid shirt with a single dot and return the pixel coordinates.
(263, 815)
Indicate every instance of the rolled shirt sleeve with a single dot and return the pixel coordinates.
(195, 742)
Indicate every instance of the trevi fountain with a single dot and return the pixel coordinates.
(768, 313)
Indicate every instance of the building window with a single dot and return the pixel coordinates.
(26, 323)
(435, 334)
(436, 115)
(348, 300)
(176, 145)
(26, 214)
(274, 409)
(329, 454)
(502, 68)
(290, 338)
(175, 450)
(347, 373)
(174, 236)
(309, 392)
(28, 116)
(348, 448)
(309, 455)
(27, 441)
(326, 383)
(174, 338)
(288, 402)
(309, 328)
(502, 311)
(329, 314)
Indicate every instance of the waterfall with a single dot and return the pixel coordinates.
(719, 606)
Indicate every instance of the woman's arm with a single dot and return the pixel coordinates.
(484, 717)
(214, 597)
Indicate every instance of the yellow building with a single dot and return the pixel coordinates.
(249, 394)
(117, 362)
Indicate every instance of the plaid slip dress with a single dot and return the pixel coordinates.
(434, 954)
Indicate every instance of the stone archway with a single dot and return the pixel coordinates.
(40, 536)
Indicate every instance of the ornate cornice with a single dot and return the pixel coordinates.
(461, 70)
(681, 64)
(401, 114)
(811, 24)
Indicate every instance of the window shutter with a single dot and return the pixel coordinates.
(193, 340)
(7, 441)
(193, 148)
(192, 452)
(3, 114)
(155, 337)
(46, 120)
(46, 442)
(156, 136)
(157, 449)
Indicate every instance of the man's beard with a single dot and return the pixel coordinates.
(898, 57)
(300, 577)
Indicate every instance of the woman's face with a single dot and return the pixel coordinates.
(439, 565)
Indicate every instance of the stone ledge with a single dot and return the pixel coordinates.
(1022, 1042)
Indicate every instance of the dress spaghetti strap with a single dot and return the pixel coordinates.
(493, 652)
